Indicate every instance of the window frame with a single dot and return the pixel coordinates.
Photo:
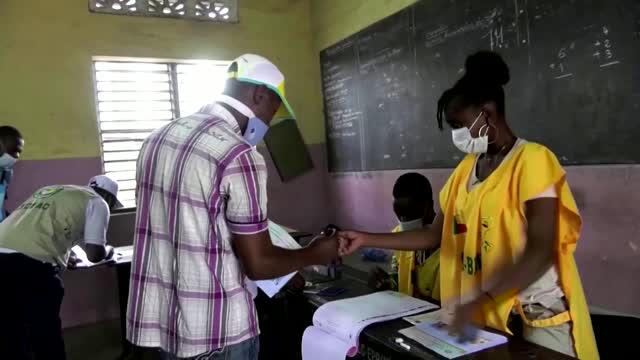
(172, 67)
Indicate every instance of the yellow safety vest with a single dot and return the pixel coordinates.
(421, 281)
(483, 228)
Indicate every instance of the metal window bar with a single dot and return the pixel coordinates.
(132, 100)
(135, 98)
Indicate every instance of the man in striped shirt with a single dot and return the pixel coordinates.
(201, 225)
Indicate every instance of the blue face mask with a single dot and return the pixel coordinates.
(7, 161)
(256, 129)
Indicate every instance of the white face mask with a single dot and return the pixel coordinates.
(7, 161)
(466, 143)
(256, 127)
(411, 225)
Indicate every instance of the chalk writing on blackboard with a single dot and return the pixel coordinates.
(572, 63)
(442, 33)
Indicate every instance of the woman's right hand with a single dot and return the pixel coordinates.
(351, 241)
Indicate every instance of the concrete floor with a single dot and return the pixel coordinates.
(96, 342)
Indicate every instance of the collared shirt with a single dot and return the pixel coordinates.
(198, 182)
(54, 219)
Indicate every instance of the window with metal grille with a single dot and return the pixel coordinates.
(135, 98)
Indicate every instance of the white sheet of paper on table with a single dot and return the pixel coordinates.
(280, 238)
(84, 260)
(434, 335)
(124, 253)
(342, 321)
(438, 315)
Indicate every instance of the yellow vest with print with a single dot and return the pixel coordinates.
(422, 280)
(483, 228)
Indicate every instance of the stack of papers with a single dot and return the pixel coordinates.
(337, 324)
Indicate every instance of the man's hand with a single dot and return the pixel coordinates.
(351, 241)
(110, 252)
(262, 260)
(325, 250)
(296, 284)
(73, 261)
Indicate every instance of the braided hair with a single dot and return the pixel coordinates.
(485, 75)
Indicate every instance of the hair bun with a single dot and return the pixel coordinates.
(487, 66)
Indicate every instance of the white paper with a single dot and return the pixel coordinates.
(317, 344)
(438, 315)
(435, 336)
(124, 253)
(84, 260)
(280, 238)
(343, 320)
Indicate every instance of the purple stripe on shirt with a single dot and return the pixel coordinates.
(252, 188)
(206, 341)
(152, 235)
(251, 183)
(201, 153)
(173, 195)
(248, 228)
(188, 294)
(143, 219)
(213, 259)
(241, 169)
(172, 217)
(142, 231)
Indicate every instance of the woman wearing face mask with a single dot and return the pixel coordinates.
(508, 224)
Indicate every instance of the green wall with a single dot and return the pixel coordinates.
(334, 20)
(45, 63)
(46, 49)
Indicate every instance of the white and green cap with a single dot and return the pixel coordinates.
(258, 70)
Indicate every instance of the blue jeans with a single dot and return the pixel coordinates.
(246, 350)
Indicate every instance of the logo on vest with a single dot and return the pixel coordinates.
(458, 228)
(48, 192)
(471, 265)
(487, 246)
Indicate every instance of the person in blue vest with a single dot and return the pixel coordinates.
(11, 146)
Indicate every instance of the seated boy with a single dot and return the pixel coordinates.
(415, 273)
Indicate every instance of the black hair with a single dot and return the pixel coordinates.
(485, 75)
(414, 186)
(9, 132)
(106, 196)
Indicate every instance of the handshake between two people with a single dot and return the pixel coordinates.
(333, 243)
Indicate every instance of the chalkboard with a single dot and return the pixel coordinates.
(575, 80)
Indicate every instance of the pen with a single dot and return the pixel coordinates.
(400, 342)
